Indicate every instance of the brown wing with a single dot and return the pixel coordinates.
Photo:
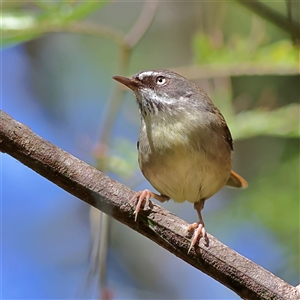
(226, 134)
(234, 180)
(221, 124)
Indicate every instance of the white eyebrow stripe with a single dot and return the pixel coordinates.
(142, 75)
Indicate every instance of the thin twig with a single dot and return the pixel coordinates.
(131, 39)
(290, 18)
(142, 24)
(86, 28)
(114, 103)
(92, 29)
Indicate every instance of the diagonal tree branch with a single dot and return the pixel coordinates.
(241, 275)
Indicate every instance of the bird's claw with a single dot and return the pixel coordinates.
(143, 198)
(199, 231)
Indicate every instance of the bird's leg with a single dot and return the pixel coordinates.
(198, 227)
(144, 196)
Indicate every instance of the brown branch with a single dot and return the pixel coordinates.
(247, 279)
(142, 24)
(272, 16)
(87, 28)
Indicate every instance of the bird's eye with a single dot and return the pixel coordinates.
(160, 80)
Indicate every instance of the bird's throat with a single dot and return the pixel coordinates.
(165, 131)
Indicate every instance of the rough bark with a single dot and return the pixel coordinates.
(238, 273)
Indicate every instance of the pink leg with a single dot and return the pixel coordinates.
(198, 227)
(144, 196)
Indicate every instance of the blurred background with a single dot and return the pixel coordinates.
(57, 60)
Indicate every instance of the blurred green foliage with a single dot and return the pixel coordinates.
(244, 50)
(20, 24)
(282, 122)
(273, 193)
(239, 51)
(272, 200)
(121, 159)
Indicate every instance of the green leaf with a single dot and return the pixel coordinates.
(17, 27)
(241, 50)
(22, 25)
(282, 122)
(82, 10)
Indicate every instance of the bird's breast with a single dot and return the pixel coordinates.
(183, 162)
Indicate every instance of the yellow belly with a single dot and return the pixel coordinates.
(185, 176)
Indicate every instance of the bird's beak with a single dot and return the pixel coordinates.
(133, 84)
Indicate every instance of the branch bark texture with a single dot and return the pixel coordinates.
(241, 275)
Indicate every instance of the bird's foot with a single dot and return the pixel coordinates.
(199, 231)
(144, 196)
(143, 199)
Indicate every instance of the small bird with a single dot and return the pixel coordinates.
(184, 146)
